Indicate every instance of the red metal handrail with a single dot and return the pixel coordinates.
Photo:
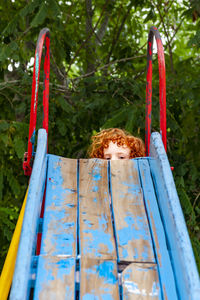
(43, 36)
(162, 88)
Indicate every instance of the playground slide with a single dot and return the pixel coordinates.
(110, 230)
(137, 246)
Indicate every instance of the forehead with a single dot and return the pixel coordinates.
(114, 148)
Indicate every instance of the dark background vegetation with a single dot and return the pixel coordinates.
(97, 80)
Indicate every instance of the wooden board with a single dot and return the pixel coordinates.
(56, 264)
(159, 240)
(179, 244)
(21, 280)
(55, 279)
(140, 281)
(96, 231)
(131, 225)
(60, 216)
(98, 280)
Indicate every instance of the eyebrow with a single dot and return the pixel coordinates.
(122, 153)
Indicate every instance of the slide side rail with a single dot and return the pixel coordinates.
(21, 281)
(182, 257)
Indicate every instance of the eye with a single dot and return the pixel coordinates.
(121, 157)
(107, 158)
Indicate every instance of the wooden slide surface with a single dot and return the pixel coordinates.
(102, 236)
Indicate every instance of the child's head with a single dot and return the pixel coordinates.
(115, 143)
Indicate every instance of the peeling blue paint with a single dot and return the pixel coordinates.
(95, 238)
(95, 188)
(131, 187)
(145, 253)
(127, 274)
(46, 275)
(155, 289)
(103, 222)
(67, 266)
(90, 297)
(87, 223)
(107, 297)
(135, 230)
(165, 271)
(106, 270)
(97, 177)
(96, 171)
(136, 254)
(124, 253)
(58, 233)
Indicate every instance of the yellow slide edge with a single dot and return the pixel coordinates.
(9, 264)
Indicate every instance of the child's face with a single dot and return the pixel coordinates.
(114, 152)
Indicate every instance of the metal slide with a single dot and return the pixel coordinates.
(110, 230)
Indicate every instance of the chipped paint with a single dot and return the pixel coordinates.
(95, 239)
(130, 221)
(98, 259)
(178, 241)
(96, 234)
(162, 88)
(157, 231)
(59, 227)
(140, 281)
(99, 279)
(55, 278)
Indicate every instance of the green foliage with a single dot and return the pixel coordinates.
(98, 81)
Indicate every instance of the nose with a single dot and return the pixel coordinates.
(114, 157)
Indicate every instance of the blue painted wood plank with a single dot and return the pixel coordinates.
(21, 281)
(140, 281)
(60, 215)
(181, 254)
(99, 279)
(165, 271)
(130, 221)
(56, 279)
(96, 232)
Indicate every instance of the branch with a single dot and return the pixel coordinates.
(119, 31)
(167, 36)
(107, 65)
(87, 38)
(90, 49)
(176, 30)
(102, 29)
(11, 104)
(57, 69)
(125, 98)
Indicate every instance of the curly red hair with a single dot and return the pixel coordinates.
(101, 140)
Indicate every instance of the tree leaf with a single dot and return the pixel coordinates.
(1, 184)
(40, 16)
(19, 147)
(64, 104)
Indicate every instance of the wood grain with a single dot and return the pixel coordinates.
(98, 279)
(96, 231)
(140, 281)
(56, 265)
(55, 279)
(60, 216)
(167, 278)
(131, 225)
